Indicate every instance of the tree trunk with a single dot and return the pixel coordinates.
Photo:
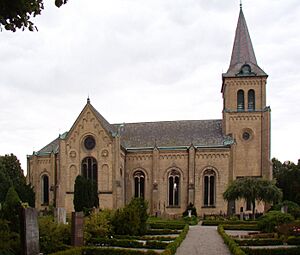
(253, 210)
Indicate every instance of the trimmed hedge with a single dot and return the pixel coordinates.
(155, 238)
(258, 242)
(232, 245)
(167, 225)
(241, 227)
(172, 247)
(276, 251)
(293, 240)
(162, 231)
(127, 243)
(228, 222)
(103, 251)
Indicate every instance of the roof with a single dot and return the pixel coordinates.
(49, 148)
(243, 52)
(206, 133)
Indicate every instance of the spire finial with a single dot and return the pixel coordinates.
(88, 99)
(241, 4)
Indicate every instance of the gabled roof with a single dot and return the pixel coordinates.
(243, 52)
(203, 133)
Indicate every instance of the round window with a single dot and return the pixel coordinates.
(246, 136)
(89, 142)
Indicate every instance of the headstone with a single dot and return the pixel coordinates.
(77, 229)
(284, 209)
(190, 213)
(60, 215)
(29, 231)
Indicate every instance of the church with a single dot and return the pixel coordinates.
(168, 163)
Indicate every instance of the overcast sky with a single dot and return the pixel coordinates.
(143, 60)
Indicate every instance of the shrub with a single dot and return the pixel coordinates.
(272, 219)
(191, 220)
(72, 251)
(228, 222)
(97, 225)
(232, 245)
(275, 251)
(258, 242)
(293, 208)
(131, 220)
(293, 240)
(53, 236)
(113, 251)
(162, 231)
(167, 225)
(9, 241)
(192, 208)
(241, 227)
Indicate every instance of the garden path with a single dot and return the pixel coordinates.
(203, 240)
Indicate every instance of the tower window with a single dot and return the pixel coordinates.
(251, 100)
(45, 190)
(209, 178)
(240, 100)
(174, 186)
(139, 184)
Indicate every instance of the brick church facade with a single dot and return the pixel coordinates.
(168, 163)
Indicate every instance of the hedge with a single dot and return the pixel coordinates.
(127, 243)
(103, 251)
(293, 240)
(276, 251)
(172, 247)
(162, 231)
(232, 245)
(167, 225)
(241, 227)
(227, 222)
(258, 242)
(155, 238)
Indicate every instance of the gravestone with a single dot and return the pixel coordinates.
(60, 215)
(29, 231)
(77, 229)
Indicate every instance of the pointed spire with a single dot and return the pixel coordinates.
(242, 48)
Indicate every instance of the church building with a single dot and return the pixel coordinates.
(168, 163)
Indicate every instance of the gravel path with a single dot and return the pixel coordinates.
(203, 240)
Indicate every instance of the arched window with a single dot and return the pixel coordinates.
(174, 188)
(89, 169)
(251, 100)
(240, 100)
(45, 189)
(139, 184)
(209, 178)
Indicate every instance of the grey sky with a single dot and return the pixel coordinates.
(143, 61)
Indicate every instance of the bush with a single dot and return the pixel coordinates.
(293, 208)
(192, 208)
(258, 242)
(191, 221)
(53, 236)
(97, 225)
(167, 225)
(113, 251)
(241, 227)
(232, 245)
(227, 222)
(275, 251)
(293, 240)
(272, 219)
(131, 220)
(162, 231)
(73, 251)
(158, 238)
(9, 241)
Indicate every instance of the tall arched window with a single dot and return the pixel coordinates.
(174, 188)
(209, 178)
(240, 100)
(45, 189)
(251, 100)
(139, 184)
(89, 169)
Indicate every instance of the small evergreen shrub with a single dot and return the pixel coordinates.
(293, 240)
(273, 251)
(272, 219)
(258, 242)
(191, 208)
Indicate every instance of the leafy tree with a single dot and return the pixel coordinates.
(85, 194)
(252, 189)
(272, 219)
(287, 176)
(17, 14)
(11, 174)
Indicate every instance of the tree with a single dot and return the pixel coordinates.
(11, 174)
(287, 175)
(17, 14)
(85, 194)
(253, 189)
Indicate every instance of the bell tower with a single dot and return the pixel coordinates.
(245, 114)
